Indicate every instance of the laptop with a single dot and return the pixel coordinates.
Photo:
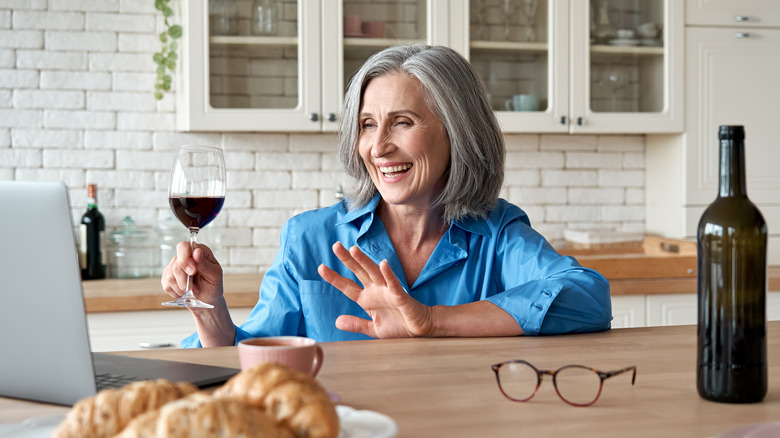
(44, 340)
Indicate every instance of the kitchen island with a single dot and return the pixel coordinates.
(445, 386)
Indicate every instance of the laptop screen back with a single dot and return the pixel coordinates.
(44, 343)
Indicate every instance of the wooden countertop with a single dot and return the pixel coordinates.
(658, 266)
(111, 295)
(444, 387)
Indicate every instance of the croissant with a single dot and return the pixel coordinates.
(110, 410)
(202, 416)
(290, 397)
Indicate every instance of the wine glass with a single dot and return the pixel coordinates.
(196, 195)
(508, 13)
(529, 12)
(616, 79)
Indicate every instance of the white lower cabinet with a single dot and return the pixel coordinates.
(122, 331)
(668, 309)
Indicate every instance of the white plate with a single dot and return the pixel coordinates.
(623, 42)
(759, 430)
(32, 428)
(365, 424)
(354, 424)
(652, 42)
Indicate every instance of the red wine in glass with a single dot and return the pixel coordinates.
(196, 211)
(196, 195)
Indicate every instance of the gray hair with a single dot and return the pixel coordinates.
(455, 93)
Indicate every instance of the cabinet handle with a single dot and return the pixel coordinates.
(331, 117)
(743, 35)
(580, 121)
(314, 117)
(563, 120)
(152, 345)
(741, 18)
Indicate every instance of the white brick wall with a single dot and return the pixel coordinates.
(76, 105)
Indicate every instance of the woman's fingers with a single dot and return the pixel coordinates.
(349, 261)
(368, 266)
(345, 285)
(184, 257)
(389, 277)
(354, 324)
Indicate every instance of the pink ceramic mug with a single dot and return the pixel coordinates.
(352, 25)
(298, 353)
(374, 29)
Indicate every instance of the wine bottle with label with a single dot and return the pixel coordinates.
(732, 284)
(93, 226)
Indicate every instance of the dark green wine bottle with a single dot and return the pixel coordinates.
(732, 283)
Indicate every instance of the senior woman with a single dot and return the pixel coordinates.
(423, 246)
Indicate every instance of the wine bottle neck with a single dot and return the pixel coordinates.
(732, 169)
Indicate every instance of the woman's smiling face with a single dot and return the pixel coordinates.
(402, 142)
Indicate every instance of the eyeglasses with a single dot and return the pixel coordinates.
(577, 385)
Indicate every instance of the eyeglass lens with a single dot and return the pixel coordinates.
(575, 384)
(518, 380)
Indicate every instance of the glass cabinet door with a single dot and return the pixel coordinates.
(253, 52)
(356, 29)
(250, 65)
(519, 48)
(627, 56)
(627, 69)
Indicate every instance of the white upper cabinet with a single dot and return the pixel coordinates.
(743, 13)
(599, 66)
(731, 72)
(286, 67)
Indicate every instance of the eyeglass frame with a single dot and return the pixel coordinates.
(603, 375)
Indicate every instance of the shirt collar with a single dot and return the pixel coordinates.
(477, 226)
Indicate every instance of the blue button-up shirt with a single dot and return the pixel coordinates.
(500, 259)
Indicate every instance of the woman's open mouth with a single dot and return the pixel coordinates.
(394, 171)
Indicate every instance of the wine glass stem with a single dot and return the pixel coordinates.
(193, 240)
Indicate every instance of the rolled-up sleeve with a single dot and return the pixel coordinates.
(545, 292)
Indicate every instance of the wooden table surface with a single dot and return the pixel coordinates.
(445, 387)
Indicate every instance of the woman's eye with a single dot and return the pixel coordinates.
(367, 125)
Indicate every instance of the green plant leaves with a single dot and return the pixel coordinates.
(166, 58)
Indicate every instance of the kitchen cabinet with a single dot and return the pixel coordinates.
(669, 309)
(235, 80)
(584, 80)
(731, 75)
(295, 80)
(743, 13)
(123, 331)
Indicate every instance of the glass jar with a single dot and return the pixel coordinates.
(129, 253)
(604, 31)
(223, 17)
(265, 17)
(169, 233)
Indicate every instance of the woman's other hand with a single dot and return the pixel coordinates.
(206, 273)
(394, 314)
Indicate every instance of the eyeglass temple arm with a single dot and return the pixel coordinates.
(607, 374)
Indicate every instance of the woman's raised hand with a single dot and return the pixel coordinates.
(394, 314)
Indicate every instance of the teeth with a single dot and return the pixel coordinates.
(393, 169)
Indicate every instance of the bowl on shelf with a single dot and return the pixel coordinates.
(648, 30)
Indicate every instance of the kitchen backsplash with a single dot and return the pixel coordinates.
(76, 105)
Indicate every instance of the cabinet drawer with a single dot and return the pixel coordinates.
(121, 331)
(742, 13)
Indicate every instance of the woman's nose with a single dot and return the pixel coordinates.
(383, 144)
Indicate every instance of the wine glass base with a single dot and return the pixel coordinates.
(188, 302)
